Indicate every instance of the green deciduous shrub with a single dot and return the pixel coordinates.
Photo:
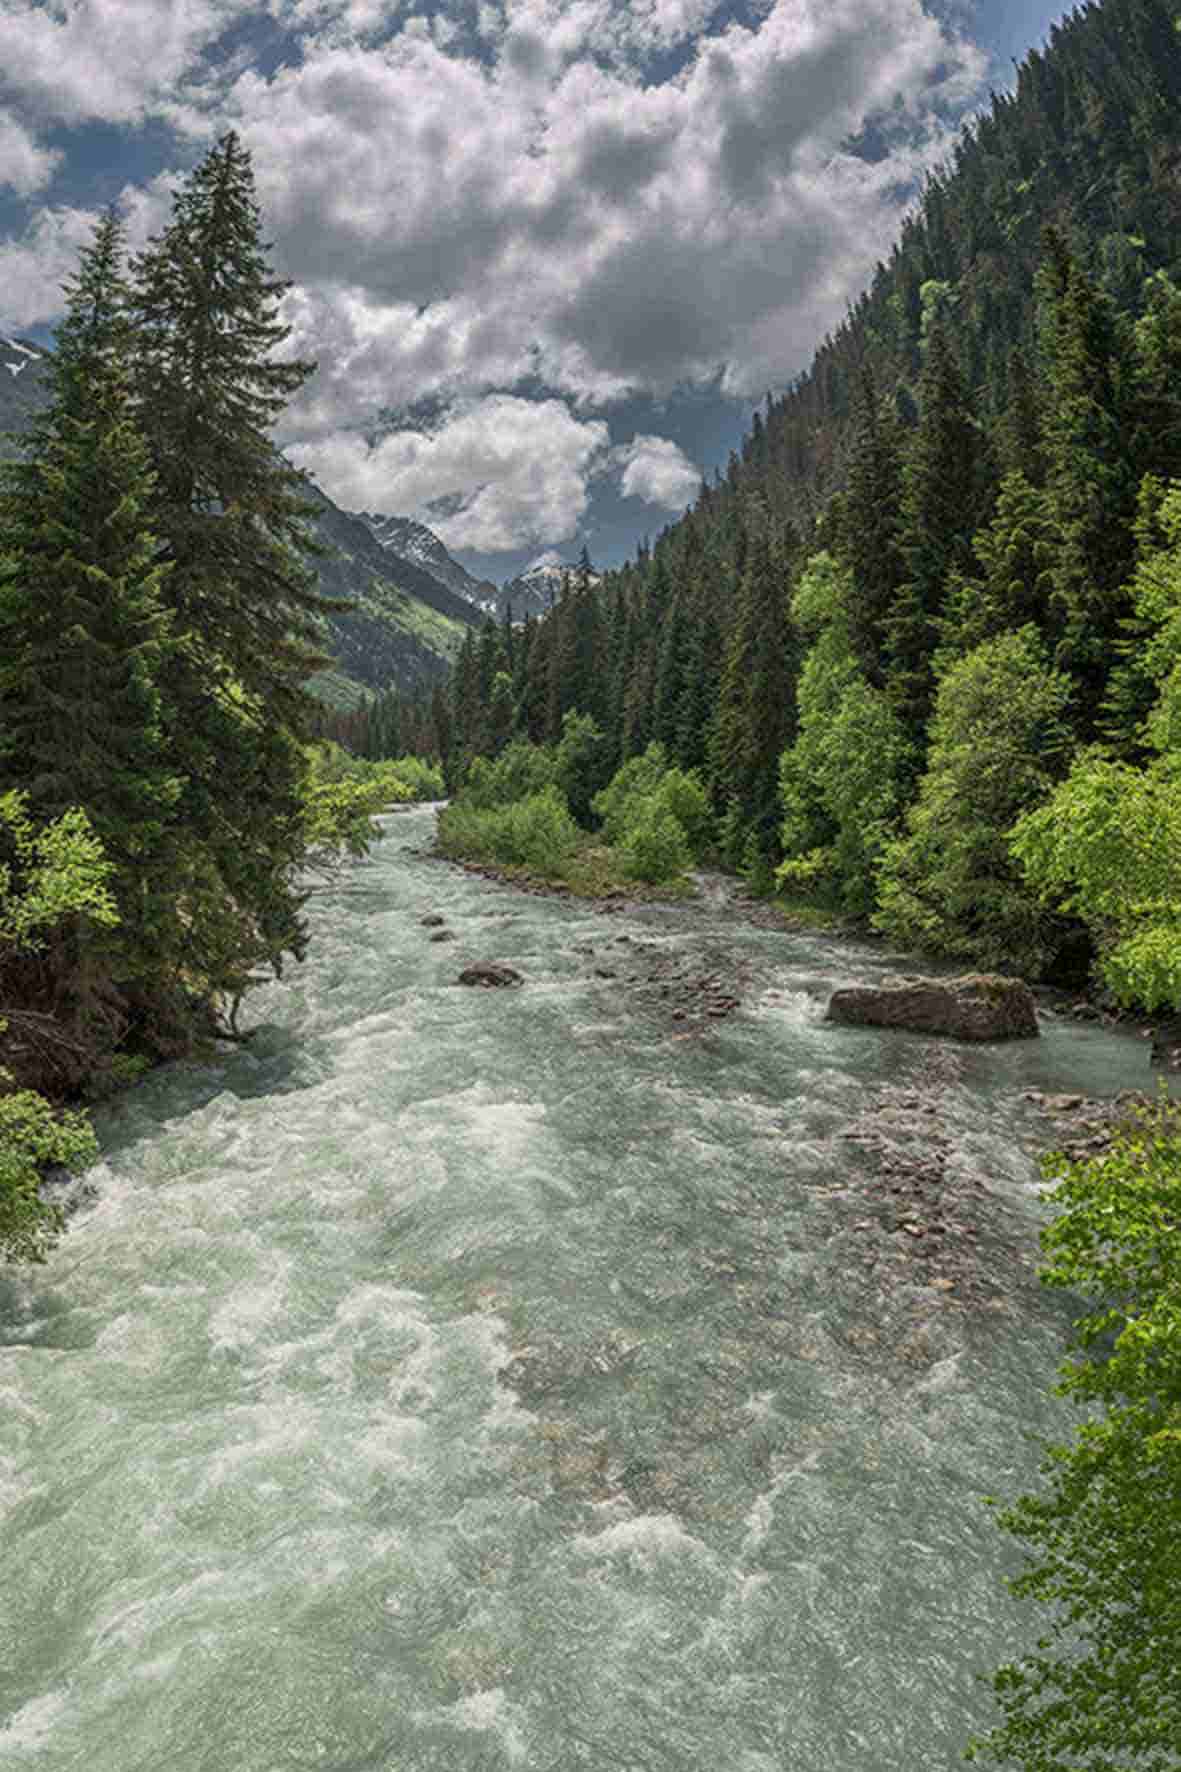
(647, 788)
(54, 883)
(33, 1135)
(537, 832)
(654, 846)
(998, 738)
(422, 780)
(521, 769)
(1101, 1686)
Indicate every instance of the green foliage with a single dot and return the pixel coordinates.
(32, 1137)
(53, 879)
(647, 790)
(839, 783)
(1101, 1689)
(946, 488)
(342, 793)
(49, 873)
(997, 742)
(1107, 846)
(422, 779)
(536, 832)
(581, 764)
(1144, 690)
(635, 780)
(654, 846)
(1014, 551)
(520, 770)
(84, 635)
(755, 708)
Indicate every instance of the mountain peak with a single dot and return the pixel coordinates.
(408, 539)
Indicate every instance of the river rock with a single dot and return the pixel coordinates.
(978, 1006)
(489, 975)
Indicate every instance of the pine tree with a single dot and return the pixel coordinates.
(946, 483)
(233, 528)
(233, 514)
(1090, 481)
(754, 717)
(84, 636)
(868, 541)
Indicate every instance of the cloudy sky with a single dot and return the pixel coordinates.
(548, 253)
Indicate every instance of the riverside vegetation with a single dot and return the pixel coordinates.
(163, 792)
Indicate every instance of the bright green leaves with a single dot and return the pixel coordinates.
(48, 873)
(33, 1135)
(52, 877)
(998, 738)
(839, 783)
(1101, 1691)
(1107, 846)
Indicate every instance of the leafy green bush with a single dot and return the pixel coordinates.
(627, 800)
(997, 741)
(1107, 846)
(580, 764)
(423, 780)
(1102, 1685)
(521, 769)
(635, 780)
(537, 832)
(541, 830)
(32, 1135)
(49, 876)
(654, 846)
(681, 792)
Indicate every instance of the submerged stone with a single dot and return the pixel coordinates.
(978, 1006)
(486, 973)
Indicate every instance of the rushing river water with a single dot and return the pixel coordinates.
(467, 1380)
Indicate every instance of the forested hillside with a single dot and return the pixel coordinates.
(940, 591)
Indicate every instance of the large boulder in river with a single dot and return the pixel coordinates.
(979, 1006)
(486, 973)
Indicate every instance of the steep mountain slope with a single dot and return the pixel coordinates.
(407, 540)
(1089, 140)
(406, 626)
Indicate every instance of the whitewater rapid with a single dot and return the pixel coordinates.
(472, 1380)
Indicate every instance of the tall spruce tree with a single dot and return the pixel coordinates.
(754, 718)
(1091, 481)
(868, 540)
(84, 635)
(946, 486)
(233, 526)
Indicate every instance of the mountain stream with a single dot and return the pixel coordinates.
(458, 1380)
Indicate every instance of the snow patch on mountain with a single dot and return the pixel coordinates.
(539, 587)
(27, 351)
(408, 539)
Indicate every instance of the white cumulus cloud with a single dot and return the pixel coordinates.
(657, 470)
(518, 212)
(35, 265)
(24, 167)
(491, 474)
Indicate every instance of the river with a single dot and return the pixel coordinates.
(461, 1380)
